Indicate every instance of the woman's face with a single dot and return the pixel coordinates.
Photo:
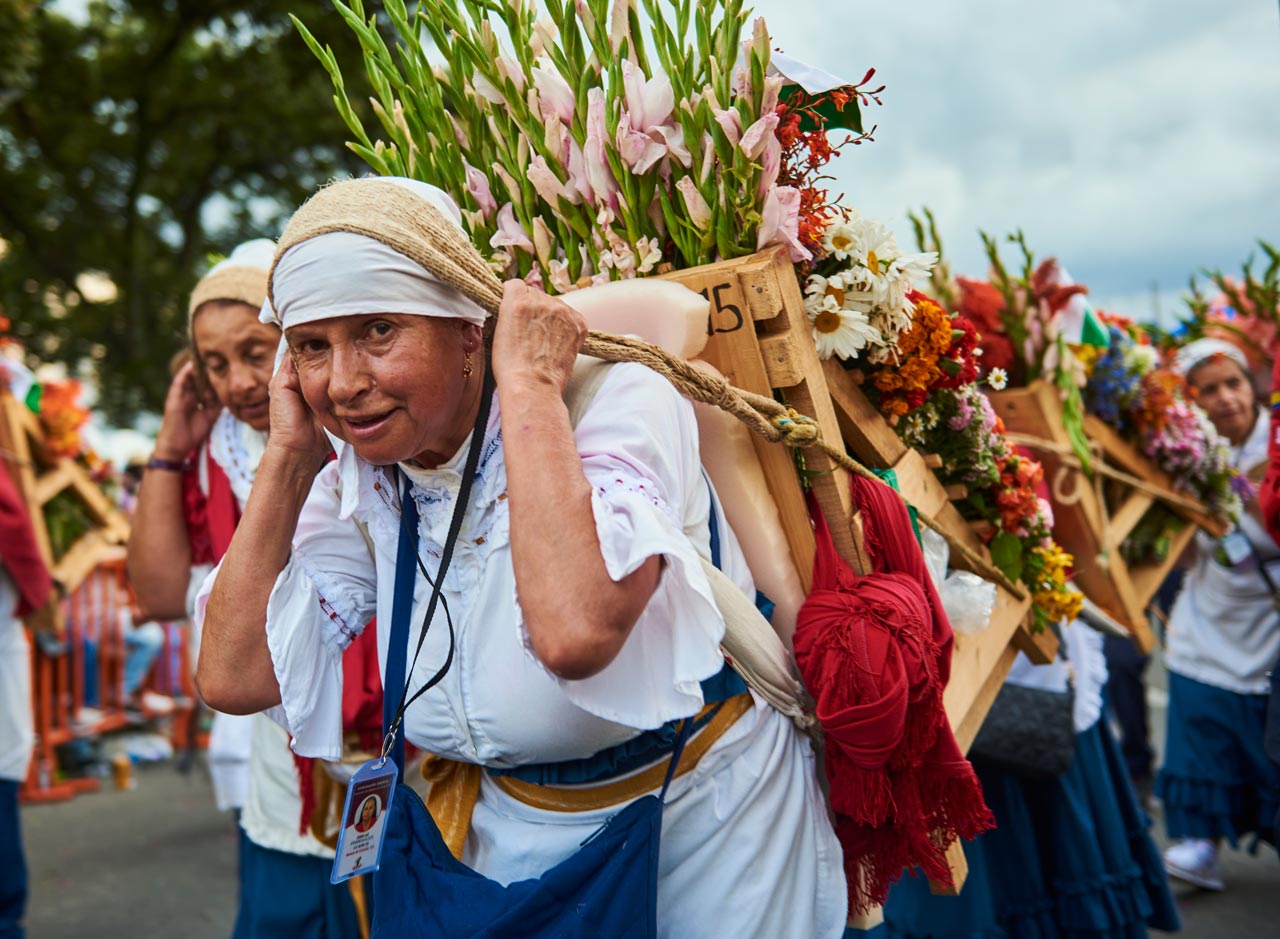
(368, 810)
(1224, 391)
(391, 384)
(237, 354)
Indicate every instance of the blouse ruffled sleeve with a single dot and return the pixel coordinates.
(639, 447)
(321, 601)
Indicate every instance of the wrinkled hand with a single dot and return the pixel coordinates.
(537, 338)
(294, 427)
(190, 410)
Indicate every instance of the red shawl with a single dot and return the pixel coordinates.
(875, 653)
(19, 553)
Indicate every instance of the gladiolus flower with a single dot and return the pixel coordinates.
(757, 136)
(509, 233)
(780, 223)
(651, 102)
(694, 203)
(603, 185)
(638, 151)
(546, 182)
(554, 94)
(730, 123)
(478, 186)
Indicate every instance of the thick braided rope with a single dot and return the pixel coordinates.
(406, 223)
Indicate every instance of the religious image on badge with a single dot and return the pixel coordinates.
(363, 824)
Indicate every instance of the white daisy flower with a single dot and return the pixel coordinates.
(998, 379)
(842, 333)
(841, 239)
(913, 268)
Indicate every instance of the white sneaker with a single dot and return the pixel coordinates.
(1195, 861)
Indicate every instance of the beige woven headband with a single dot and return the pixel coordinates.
(237, 283)
(402, 221)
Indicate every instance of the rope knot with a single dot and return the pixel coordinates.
(796, 430)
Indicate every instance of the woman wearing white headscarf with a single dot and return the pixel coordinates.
(197, 482)
(1224, 636)
(583, 621)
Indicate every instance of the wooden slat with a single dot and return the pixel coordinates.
(1127, 457)
(974, 657)
(1127, 516)
(53, 482)
(865, 430)
(17, 427)
(982, 697)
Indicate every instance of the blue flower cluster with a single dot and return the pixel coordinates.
(1113, 387)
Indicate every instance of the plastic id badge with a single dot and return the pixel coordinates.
(1235, 547)
(364, 820)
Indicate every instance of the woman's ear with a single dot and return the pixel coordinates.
(472, 337)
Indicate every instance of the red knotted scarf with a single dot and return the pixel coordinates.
(875, 653)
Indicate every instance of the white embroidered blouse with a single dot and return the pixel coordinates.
(498, 705)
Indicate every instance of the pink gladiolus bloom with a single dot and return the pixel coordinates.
(554, 94)
(757, 136)
(651, 102)
(780, 222)
(674, 136)
(545, 181)
(509, 233)
(771, 163)
(730, 123)
(699, 211)
(487, 89)
(579, 186)
(478, 186)
(511, 70)
(559, 272)
(597, 165)
(772, 87)
(638, 151)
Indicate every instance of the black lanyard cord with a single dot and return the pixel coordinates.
(455, 527)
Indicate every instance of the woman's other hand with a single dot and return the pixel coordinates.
(190, 410)
(294, 428)
(537, 338)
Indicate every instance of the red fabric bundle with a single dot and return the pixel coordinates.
(875, 653)
(19, 553)
(1269, 491)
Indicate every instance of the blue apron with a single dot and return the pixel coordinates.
(608, 888)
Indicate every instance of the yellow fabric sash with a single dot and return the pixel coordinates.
(455, 786)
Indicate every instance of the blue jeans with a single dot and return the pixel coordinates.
(141, 646)
(13, 864)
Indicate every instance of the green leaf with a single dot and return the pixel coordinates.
(1006, 554)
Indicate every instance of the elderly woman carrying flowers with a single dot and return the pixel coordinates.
(576, 633)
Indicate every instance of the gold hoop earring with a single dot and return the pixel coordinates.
(467, 370)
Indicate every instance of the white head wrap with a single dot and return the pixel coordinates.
(1197, 352)
(344, 274)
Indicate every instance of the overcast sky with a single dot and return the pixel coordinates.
(1136, 140)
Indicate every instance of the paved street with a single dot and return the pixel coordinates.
(159, 861)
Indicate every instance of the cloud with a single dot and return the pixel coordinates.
(1138, 142)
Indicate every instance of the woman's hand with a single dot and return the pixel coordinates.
(294, 429)
(190, 410)
(537, 339)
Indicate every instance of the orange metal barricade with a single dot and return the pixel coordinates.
(96, 612)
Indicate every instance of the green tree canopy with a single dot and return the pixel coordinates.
(137, 139)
